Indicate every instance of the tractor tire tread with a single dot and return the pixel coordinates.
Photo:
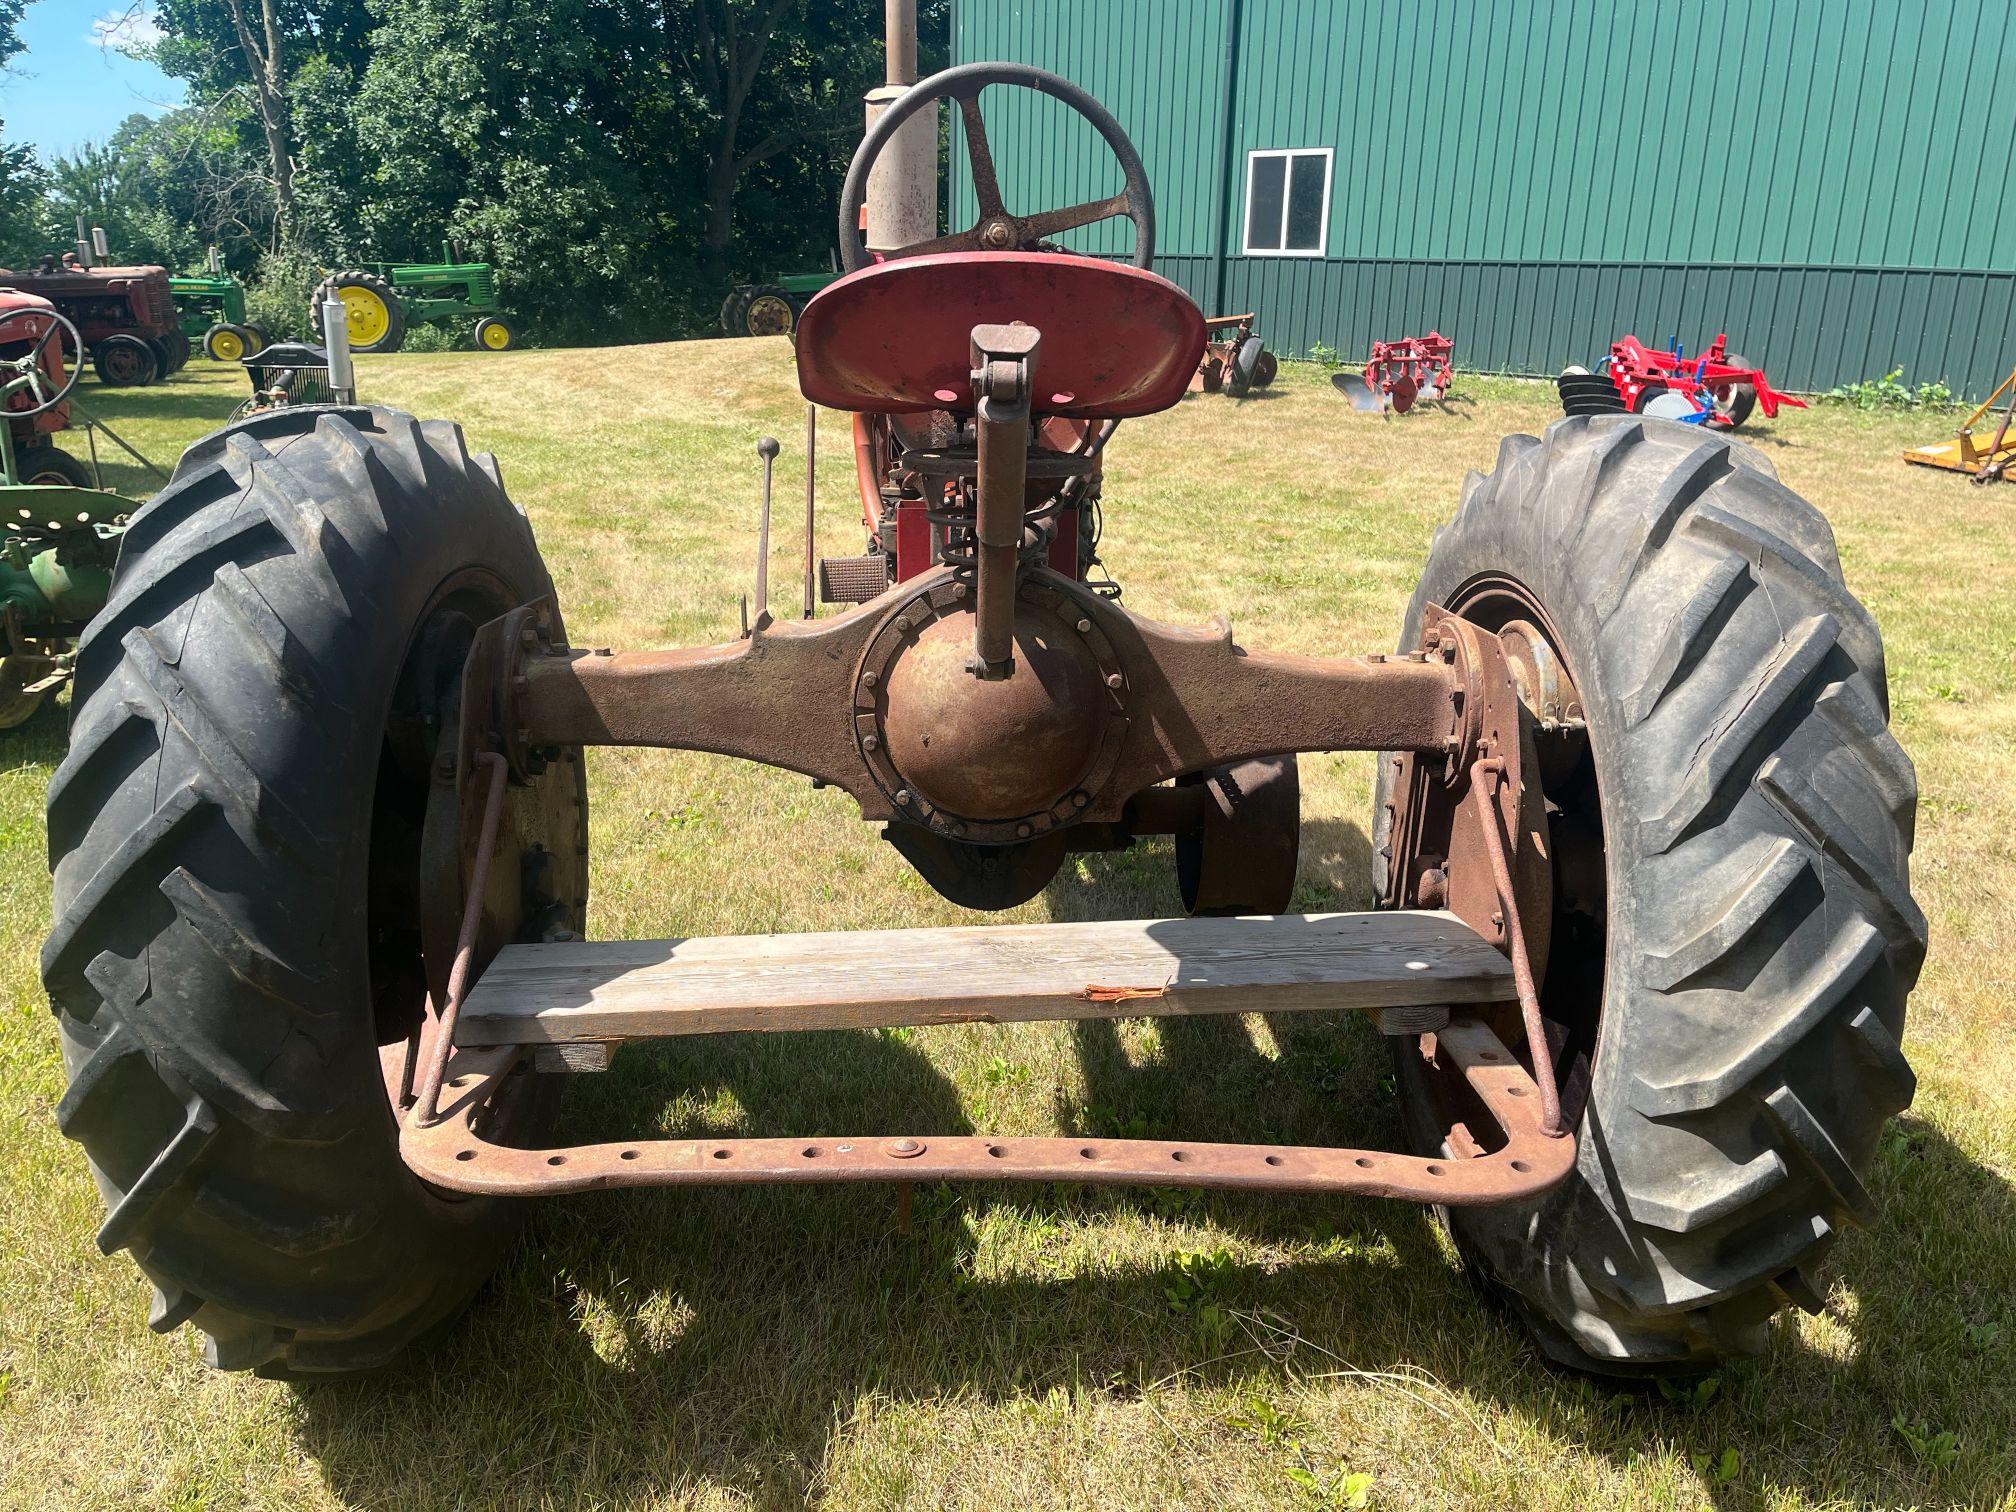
(223, 1080)
(1751, 1044)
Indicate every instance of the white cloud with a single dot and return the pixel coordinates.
(126, 30)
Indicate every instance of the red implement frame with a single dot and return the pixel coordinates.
(1400, 372)
(1635, 366)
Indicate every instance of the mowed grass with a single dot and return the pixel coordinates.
(1049, 1346)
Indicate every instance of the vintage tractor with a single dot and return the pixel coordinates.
(384, 300)
(211, 305)
(771, 308)
(59, 535)
(127, 316)
(1643, 934)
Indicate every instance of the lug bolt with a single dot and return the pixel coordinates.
(1084, 626)
(1024, 831)
(870, 678)
(1079, 800)
(1114, 680)
(958, 590)
(869, 742)
(903, 797)
(527, 637)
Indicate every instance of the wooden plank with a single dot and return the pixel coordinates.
(632, 989)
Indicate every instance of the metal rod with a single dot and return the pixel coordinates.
(767, 449)
(811, 474)
(1485, 774)
(426, 1108)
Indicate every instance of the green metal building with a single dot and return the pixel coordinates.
(1825, 180)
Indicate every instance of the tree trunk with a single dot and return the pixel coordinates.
(267, 68)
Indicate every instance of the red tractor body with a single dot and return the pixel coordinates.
(22, 334)
(126, 315)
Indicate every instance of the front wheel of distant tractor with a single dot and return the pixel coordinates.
(47, 464)
(768, 312)
(251, 879)
(373, 316)
(259, 336)
(227, 343)
(494, 335)
(1731, 930)
(125, 362)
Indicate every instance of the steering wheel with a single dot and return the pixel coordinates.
(26, 374)
(996, 230)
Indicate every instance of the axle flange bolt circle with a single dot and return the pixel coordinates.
(993, 750)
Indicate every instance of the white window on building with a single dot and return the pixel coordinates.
(1288, 202)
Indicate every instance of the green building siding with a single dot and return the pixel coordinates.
(1820, 178)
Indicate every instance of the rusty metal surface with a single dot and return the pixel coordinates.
(1005, 359)
(451, 1154)
(1171, 700)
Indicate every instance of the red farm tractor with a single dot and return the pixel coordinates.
(1642, 936)
(127, 316)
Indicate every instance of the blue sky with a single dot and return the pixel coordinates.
(68, 88)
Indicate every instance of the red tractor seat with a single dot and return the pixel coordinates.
(895, 338)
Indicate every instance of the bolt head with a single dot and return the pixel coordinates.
(1084, 626)
(869, 742)
(903, 797)
(1024, 831)
(870, 678)
(1114, 680)
(959, 590)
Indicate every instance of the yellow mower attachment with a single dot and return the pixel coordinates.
(1962, 454)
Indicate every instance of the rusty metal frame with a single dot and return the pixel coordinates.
(452, 1153)
(1186, 699)
(1169, 702)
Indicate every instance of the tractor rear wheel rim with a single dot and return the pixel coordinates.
(365, 315)
(769, 316)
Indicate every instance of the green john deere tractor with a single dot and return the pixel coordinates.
(383, 301)
(770, 309)
(211, 308)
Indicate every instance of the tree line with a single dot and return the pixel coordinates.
(621, 162)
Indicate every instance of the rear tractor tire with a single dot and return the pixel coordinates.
(245, 910)
(374, 316)
(1730, 834)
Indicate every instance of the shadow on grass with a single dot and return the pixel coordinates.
(637, 1344)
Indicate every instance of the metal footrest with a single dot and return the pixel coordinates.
(450, 1153)
(853, 580)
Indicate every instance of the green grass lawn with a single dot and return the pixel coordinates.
(1020, 1348)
